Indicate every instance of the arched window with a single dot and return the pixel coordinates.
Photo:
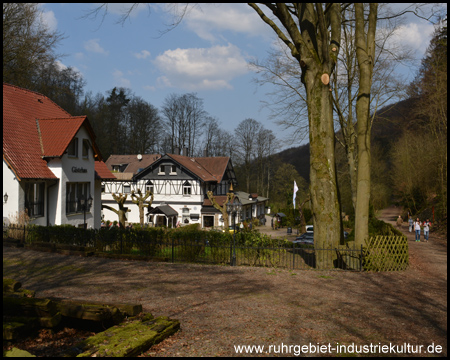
(187, 188)
(149, 186)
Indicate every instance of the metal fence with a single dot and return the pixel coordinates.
(211, 248)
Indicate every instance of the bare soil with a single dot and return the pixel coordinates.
(220, 307)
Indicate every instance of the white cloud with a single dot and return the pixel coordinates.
(201, 68)
(94, 46)
(60, 65)
(119, 80)
(415, 35)
(208, 20)
(48, 18)
(142, 55)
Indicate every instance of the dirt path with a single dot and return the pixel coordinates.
(428, 257)
(220, 307)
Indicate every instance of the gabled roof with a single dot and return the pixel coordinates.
(206, 168)
(35, 127)
(133, 164)
(56, 134)
(21, 144)
(102, 172)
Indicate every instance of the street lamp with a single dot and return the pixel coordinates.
(85, 206)
(232, 209)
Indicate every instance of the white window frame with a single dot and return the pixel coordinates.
(187, 188)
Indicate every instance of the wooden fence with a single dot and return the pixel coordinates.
(386, 253)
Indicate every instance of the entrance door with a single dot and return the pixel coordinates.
(208, 221)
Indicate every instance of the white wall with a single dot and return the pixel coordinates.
(10, 187)
(167, 195)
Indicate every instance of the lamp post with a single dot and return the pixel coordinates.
(232, 209)
(85, 205)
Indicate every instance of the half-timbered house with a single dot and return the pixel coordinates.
(179, 184)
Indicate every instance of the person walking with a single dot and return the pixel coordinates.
(399, 221)
(417, 229)
(411, 223)
(426, 229)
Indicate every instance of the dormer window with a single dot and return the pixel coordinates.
(72, 150)
(173, 170)
(187, 188)
(161, 170)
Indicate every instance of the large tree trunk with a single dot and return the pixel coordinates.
(365, 54)
(323, 188)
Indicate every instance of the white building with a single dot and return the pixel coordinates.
(51, 163)
(179, 184)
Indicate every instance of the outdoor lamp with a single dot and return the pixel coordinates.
(232, 209)
(5, 198)
(90, 200)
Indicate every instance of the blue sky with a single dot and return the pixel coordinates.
(207, 53)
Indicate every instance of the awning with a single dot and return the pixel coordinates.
(164, 210)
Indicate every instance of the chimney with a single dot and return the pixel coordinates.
(185, 151)
(205, 153)
(177, 150)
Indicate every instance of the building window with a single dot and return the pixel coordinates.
(86, 149)
(149, 187)
(161, 170)
(173, 170)
(72, 150)
(75, 192)
(34, 199)
(185, 215)
(127, 189)
(187, 189)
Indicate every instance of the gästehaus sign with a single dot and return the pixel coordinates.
(78, 170)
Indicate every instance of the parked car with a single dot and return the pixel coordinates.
(306, 238)
(309, 228)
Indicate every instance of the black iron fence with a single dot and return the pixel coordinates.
(207, 247)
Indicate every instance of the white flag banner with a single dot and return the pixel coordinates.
(295, 192)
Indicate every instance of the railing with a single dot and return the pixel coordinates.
(211, 248)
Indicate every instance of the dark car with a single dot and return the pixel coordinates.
(306, 238)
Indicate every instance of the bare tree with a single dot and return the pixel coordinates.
(313, 34)
(144, 127)
(122, 211)
(245, 134)
(28, 45)
(185, 117)
(141, 201)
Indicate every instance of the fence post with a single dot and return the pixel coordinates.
(172, 249)
(293, 256)
(24, 234)
(360, 259)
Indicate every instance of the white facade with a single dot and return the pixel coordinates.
(166, 192)
(75, 178)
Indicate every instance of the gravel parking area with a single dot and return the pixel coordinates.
(220, 307)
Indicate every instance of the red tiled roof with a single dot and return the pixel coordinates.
(208, 169)
(56, 134)
(219, 199)
(21, 144)
(133, 162)
(102, 172)
(35, 127)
